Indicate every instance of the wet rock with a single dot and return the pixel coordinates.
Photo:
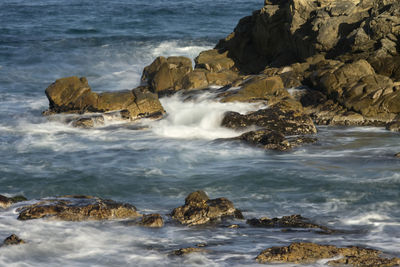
(78, 208)
(286, 118)
(307, 253)
(393, 126)
(89, 122)
(13, 240)
(199, 209)
(6, 202)
(397, 155)
(292, 221)
(185, 251)
(74, 95)
(166, 74)
(152, 220)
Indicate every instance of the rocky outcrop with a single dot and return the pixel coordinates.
(199, 209)
(307, 253)
(6, 202)
(13, 240)
(74, 95)
(78, 208)
(292, 221)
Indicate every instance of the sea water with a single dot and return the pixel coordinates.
(348, 180)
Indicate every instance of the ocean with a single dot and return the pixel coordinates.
(348, 180)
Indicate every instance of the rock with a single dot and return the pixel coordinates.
(73, 95)
(78, 208)
(397, 155)
(214, 61)
(286, 117)
(257, 88)
(166, 74)
(152, 220)
(308, 253)
(6, 202)
(292, 221)
(185, 251)
(88, 122)
(393, 126)
(13, 240)
(199, 209)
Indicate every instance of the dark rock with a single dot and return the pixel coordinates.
(185, 251)
(13, 240)
(292, 221)
(6, 202)
(393, 126)
(89, 122)
(199, 209)
(308, 253)
(78, 208)
(73, 95)
(286, 118)
(152, 220)
(214, 61)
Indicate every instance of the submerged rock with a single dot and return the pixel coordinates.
(152, 220)
(6, 202)
(78, 208)
(292, 221)
(307, 253)
(393, 126)
(74, 95)
(13, 240)
(185, 251)
(199, 209)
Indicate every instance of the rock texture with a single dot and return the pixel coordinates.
(6, 202)
(13, 240)
(199, 209)
(185, 251)
(292, 221)
(74, 95)
(78, 208)
(307, 253)
(152, 220)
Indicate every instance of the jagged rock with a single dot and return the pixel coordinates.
(165, 74)
(393, 126)
(185, 251)
(78, 208)
(88, 122)
(292, 221)
(152, 220)
(73, 95)
(307, 253)
(214, 61)
(199, 209)
(13, 240)
(286, 117)
(257, 88)
(6, 202)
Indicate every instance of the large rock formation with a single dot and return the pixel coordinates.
(78, 208)
(6, 202)
(74, 95)
(199, 209)
(307, 253)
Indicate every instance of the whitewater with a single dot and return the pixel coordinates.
(348, 180)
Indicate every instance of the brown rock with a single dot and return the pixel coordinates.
(13, 240)
(195, 80)
(393, 126)
(185, 251)
(307, 253)
(152, 220)
(6, 202)
(88, 122)
(292, 221)
(214, 61)
(258, 88)
(397, 155)
(199, 209)
(78, 208)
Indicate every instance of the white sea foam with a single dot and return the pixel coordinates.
(197, 119)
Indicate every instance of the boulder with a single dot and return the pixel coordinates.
(292, 221)
(308, 253)
(393, 126)
(6, 202)
(286, 117)
(152, 220)
(73, 95)
(78, 208)
(214, 61)
(165, 74)
(257, 88)
(199, 209)
(13, 240)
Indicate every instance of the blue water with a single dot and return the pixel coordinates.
(348, 180)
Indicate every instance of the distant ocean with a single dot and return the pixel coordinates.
(349, 180)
